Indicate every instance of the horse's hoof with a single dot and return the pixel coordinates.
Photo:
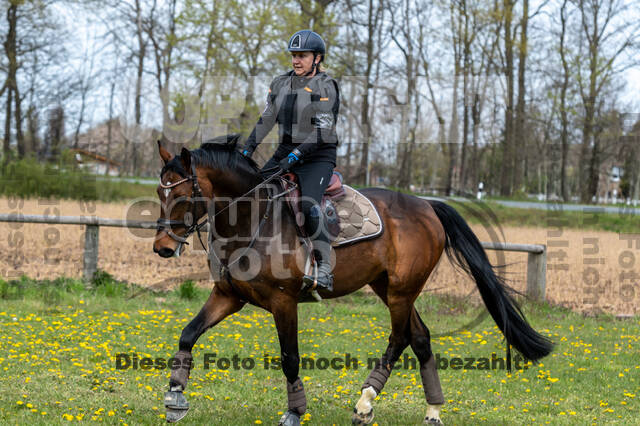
(433, 421)
(361, 419)
(290, 418)
(176, 405)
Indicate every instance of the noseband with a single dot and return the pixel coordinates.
(192, 224)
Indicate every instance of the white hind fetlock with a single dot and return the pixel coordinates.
(364, 404)
(363, 413)
(433, 414)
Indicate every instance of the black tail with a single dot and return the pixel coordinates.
(464, 249)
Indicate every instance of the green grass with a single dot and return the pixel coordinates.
(508, 216)
(29, 178)
(60, 339)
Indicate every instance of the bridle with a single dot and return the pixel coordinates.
(192, 224)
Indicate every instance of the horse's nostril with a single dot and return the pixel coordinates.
(165, 252)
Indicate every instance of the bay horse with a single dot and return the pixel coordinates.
(216, 177)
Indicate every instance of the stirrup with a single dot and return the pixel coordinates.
(314, 283)
(309, 284)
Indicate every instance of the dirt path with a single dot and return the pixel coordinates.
(587, 270)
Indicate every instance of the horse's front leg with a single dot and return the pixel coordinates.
(286, 319)
(217, 307)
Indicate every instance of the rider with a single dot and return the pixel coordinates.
(305, 103)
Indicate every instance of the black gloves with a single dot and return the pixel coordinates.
(287, 162)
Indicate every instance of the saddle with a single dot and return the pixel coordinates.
(334, 192)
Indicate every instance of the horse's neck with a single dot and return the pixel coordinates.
(242, 218)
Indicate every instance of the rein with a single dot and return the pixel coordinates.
(165, 224)
(190, 222)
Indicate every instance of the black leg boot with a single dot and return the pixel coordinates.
(324, 281)
(322, 253)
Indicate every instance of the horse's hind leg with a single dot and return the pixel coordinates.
(215, 309)
(399, 308)
(421, 345)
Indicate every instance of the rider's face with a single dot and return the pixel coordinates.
(302, 62)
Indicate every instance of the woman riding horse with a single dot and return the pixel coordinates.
(305, 103)
(396, 266)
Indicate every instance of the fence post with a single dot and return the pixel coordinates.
(537, 274)
(91, 237)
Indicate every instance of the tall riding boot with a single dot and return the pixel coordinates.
(322, 253)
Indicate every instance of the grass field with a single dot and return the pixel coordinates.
(60, 340)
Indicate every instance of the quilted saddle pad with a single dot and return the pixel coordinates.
(359, 219)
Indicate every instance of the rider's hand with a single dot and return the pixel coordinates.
(247, 151)
(287, 162)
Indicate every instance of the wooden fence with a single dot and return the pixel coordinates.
(536, 260)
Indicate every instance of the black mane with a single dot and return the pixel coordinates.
(219, 153)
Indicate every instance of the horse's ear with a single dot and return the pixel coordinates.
(185, 156)
(164, 154)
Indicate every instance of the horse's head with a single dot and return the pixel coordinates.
(182, 201)
(190, 180)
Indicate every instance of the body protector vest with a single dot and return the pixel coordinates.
(306, 111)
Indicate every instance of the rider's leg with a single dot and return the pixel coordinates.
(316, 227)
(314, 179)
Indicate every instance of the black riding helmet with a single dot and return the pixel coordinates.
(308, 41)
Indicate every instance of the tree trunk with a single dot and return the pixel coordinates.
(520, 138)
(110, 123)
(10, 50)
(138, 95)
(6, 144)
(564, 120)
(466, 70)
(18, 121)
(32, 145)
(475, 115)
(453, 138)
(506, 179)
(587, 134)
(366, 125)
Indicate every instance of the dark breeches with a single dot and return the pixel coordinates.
(313, 179)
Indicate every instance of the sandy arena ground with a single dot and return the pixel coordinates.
(588, 271)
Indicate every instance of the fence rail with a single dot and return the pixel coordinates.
(536, 259)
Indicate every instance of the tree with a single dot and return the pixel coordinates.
(32, 42)
(404, 34)
(509, 148)
(54, 136)
(564, 86)
(368, 16)
(609, 31)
